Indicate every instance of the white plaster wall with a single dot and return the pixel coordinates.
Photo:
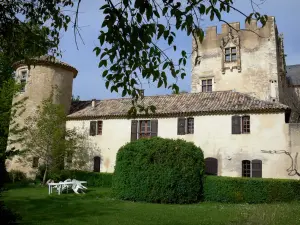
(213, 135)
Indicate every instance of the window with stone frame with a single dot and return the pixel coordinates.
(230, 54)
(206, 85)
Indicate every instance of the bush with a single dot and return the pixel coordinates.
(17, 176)
(93, 179)
(159, 170)
(250, 190)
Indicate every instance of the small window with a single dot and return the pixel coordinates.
(35, 162)
(190, 125)
(206, 85)
(185, 126)
(144, 129)
(230, 54)
(252, 168)
(23, 79)
(246, 124)
(246, 168)
(96, 127)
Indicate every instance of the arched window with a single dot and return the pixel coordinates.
(252, 168)
(211, 166)
(97, 161)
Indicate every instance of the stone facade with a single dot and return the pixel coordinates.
(40, 80)
(254, 70)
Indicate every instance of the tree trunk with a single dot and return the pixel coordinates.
(45, 175)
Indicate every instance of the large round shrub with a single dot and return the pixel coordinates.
(159, 170)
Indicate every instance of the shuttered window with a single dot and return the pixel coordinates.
(181, 126)
(93, 125)
(252, 168)
(185, 126)
(143, 129)
(256, 168)
(211, 166)
(240, 124)
(96, 127)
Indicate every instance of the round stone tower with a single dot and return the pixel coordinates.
(45, 76)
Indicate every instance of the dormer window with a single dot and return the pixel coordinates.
(230, 54)
(23, 79)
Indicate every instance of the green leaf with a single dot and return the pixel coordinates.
(156, 13)
(106, 84)
(160, 83)
(174, 47)
(165, 65)
(183, 75)
(103, 63)
(170, 40)
(102, 38)
(139, 17)
(124, 92)
(104, 73)
(165, 10)
(202, 9)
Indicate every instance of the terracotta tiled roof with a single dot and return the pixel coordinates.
(47, 60)
(222, 102)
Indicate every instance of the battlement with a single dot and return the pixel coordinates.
(211, 32)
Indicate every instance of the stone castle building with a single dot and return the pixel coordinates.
(242, 112)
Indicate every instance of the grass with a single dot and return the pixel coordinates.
(97, 207)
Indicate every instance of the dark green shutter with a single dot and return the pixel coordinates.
(256, 168)
(154, 128)
(93, 128)
(181, 126)
(134, 130)
(236, 124)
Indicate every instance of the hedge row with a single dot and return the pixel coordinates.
(250, 190)
(93, 179)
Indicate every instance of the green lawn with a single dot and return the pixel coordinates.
(97, 207)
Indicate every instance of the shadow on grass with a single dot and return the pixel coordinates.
(61, 208)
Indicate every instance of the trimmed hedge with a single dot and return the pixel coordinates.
(159, 170)
(93, 179)
(250, 190)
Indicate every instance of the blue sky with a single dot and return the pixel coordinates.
(89, 82)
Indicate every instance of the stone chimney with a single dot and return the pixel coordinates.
(93, 103)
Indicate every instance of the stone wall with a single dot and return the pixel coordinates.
(41, 81)
(255, 71)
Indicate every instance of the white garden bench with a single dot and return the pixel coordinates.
(75, 185)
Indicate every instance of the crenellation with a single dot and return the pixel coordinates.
(211, 32)
(252, 25)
